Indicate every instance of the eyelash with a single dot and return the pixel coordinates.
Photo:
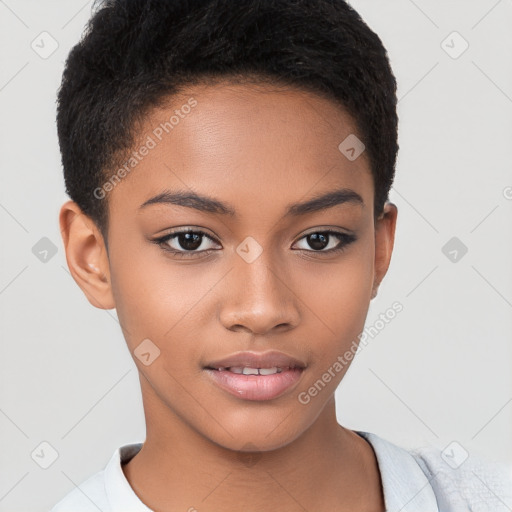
(345, 240)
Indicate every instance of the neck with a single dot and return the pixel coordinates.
(328, 467)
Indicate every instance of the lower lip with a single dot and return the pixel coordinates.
(256, 387)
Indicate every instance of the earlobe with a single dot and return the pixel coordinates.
(384, 242)
(86, 255)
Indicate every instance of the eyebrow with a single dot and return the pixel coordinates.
(211, 205)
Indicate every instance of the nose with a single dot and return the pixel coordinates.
(259, 298)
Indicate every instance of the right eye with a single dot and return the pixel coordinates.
(185, 243)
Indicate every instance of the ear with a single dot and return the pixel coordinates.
(384, 241)
(86, 255)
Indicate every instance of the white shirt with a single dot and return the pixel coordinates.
(412, 481)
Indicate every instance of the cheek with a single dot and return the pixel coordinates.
(338, 298)
(340, 294)
(159, 300)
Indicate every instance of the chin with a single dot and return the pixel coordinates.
(248, 433)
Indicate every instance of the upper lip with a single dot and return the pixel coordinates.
(248, 359)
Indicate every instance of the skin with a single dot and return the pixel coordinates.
(258, 149)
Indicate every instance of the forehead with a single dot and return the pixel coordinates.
(258, 148)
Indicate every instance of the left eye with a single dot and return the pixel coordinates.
(325, 241)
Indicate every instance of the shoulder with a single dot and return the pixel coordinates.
(89, 496)
(448, 480)
(465, 481)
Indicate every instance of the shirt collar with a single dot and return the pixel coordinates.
(120, 494)
(406, 487)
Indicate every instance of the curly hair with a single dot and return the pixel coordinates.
(135, 54)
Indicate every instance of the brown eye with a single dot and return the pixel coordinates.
(189, 241)
(327, 241)
(318, 241)
(186, 243)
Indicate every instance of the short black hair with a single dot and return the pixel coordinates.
(135, 54)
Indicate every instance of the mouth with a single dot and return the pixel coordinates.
(247, 370)
(256, 376)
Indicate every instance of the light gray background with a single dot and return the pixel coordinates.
(439, 372)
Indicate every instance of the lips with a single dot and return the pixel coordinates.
(256, 376)
(271, 359)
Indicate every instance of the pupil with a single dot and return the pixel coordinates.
(318, 240)
(189, 241)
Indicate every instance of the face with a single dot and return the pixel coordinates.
(214, 268)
